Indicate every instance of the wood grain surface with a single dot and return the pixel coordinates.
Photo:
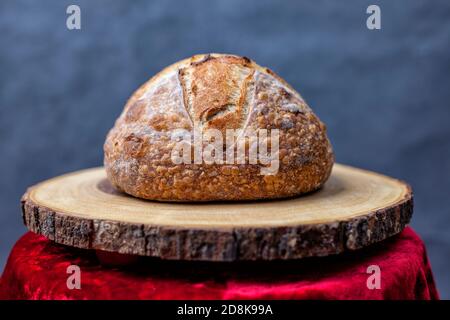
(354, 209)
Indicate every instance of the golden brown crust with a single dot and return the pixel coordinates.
(220, 92)
(215, 91)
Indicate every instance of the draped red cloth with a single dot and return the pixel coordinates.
(37, 269)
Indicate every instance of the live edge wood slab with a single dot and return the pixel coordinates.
(354, 209)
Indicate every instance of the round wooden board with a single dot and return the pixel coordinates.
(354, 209)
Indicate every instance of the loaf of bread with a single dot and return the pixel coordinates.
(217, 127)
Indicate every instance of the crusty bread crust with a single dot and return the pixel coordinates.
(215, 91)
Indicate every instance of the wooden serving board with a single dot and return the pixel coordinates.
(354, 209)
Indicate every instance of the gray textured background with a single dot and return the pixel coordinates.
(383, 94)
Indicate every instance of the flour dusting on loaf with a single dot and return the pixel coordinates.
(216, 92)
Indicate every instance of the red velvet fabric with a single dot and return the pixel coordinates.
(36, 269)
